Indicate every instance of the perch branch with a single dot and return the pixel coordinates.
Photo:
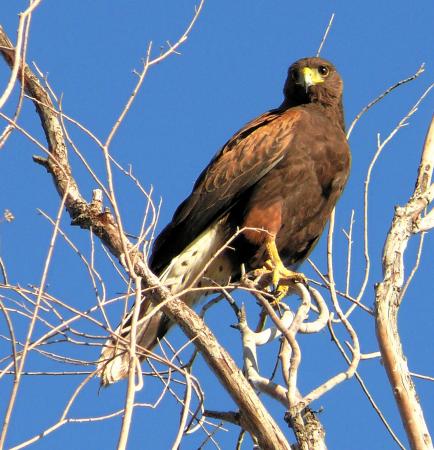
(250, 341)
(307, 428)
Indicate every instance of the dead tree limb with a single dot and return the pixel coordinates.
(388, 299)
(253, 415)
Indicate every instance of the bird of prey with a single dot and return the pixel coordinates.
(273, 185)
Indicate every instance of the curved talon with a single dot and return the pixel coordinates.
(281, 277)
(284, 280)
(280, 293)
(280, 272)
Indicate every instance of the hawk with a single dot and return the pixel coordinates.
(272, 188)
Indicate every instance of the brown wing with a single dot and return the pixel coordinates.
(243, 161)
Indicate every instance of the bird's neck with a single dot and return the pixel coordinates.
(334, 111)
(337, 111)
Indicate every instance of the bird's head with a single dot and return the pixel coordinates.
(313, 80)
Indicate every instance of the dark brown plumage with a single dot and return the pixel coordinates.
(280, 175)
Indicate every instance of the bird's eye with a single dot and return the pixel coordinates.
(294, 74)
(323, 70)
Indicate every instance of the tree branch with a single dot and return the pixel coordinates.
(253, 415)
(388, 300)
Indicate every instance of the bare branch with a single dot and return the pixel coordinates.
(250, 341)
(255, 418)
(382, 95)
(18, 51)
(31, 326)
(387, 300)
(380, 147)
(365, 389)
(329, 26)
(134, 366)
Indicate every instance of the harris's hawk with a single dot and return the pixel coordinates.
(277, 180)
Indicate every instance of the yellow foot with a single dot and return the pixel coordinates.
(281, 278)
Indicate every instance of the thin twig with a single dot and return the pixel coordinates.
(134, 365)
(325, 34)
(382, 95)
(32, 324)
(365, 389)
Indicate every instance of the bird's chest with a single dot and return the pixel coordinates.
(294, 200)
(310, 176)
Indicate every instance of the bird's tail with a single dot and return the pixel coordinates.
(113, 364)
(184, 271)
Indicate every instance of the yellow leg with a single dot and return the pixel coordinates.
(282, 277)
(278, 269)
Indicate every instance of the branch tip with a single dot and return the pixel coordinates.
(42, 161)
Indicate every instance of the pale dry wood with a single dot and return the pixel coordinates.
(388, 300)
(363, 386)
(134, 366)
(308, 430)
(250, 341)
(21, 44)
(355, 349)
(326, 33)
(253, 415)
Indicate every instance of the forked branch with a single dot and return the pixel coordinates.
(388, 300)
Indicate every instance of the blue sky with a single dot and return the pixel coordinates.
(231, 69)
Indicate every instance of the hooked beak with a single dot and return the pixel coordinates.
(309, 77)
